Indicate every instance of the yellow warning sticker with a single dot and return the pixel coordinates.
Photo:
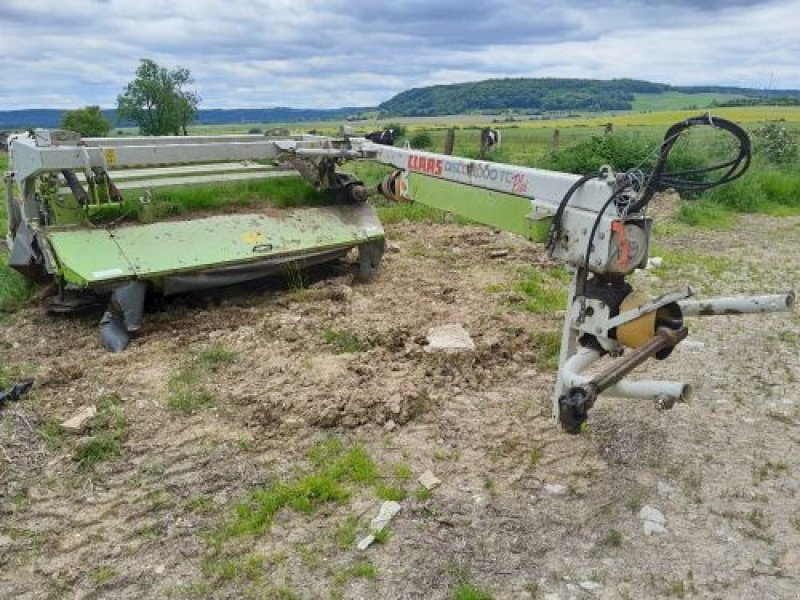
(111, 156)
(253, 237)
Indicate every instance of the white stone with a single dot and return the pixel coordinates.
(654, 262)
(387, 511)
(78, 422)
(428, 480)
(648, 513)
(449, 338)
(691, 345)
(366, 542)
(591, 586)
(650, 527)
(555, 489)
(390, 425)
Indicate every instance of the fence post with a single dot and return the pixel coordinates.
(449, 141)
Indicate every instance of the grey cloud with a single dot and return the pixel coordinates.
(338, 52)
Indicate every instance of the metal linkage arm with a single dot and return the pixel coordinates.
(738, 305)
(32, 156)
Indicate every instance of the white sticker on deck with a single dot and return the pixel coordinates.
(107, 274)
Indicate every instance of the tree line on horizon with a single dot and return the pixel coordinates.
(160, 101)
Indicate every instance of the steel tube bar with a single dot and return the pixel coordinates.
(741, 305)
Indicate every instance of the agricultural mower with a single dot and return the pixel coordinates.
(595, 224)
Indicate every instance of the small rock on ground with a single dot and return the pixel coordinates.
(449, 338)
(78, 422)
(648, 513)
(428, 480)
(555, 489)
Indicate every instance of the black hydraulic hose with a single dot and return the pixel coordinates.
(660, 179)
(555, 226)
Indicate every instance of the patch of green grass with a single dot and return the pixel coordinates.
(189, 399)
(612, 538)
(402, 472)
(103, 574)
(677, 589)
(468, 591)
(547, 346)
(706, 215)
(345, 534)
(382, 536)
(248, 567)
(412, 212)
(201, 504)
(334, 468)
(346, 342)
(545, 290)
(310, 556)
(535, 455)
(422, 494)
(99, 448)
(9, 375)
(442, 455)
(363, 569)
(214, 356)
(110, 428)
(766, 190)
(683, 264)
(634, 504)
(187, 391)
(283, 192)
(15, 290)
(390, 492)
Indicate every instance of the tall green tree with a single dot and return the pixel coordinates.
(88, 121)
(158, 99)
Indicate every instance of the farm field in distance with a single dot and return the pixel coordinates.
(248, 436)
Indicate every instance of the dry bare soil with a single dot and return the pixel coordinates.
(245, 440)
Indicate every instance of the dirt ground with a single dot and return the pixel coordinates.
(523, 509)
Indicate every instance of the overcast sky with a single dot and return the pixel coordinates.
(332, 53)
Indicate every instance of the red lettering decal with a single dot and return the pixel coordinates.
(439, 167)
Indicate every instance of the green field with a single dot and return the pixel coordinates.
(678, 100)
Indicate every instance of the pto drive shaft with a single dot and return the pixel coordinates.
(575, 403)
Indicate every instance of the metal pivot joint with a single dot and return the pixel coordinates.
(575, 403)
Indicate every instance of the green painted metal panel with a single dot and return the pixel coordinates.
(496, 209)
(154, 250)
(88, 255)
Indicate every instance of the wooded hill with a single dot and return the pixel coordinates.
(546, 95)
(532, 96)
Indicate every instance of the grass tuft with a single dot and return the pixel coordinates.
(103, 575)
(187, 391)
(547, 345)
(346, 342)
(335, 467)
(110, 429)
(468, 591)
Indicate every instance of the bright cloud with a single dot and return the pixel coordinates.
(324, 54)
